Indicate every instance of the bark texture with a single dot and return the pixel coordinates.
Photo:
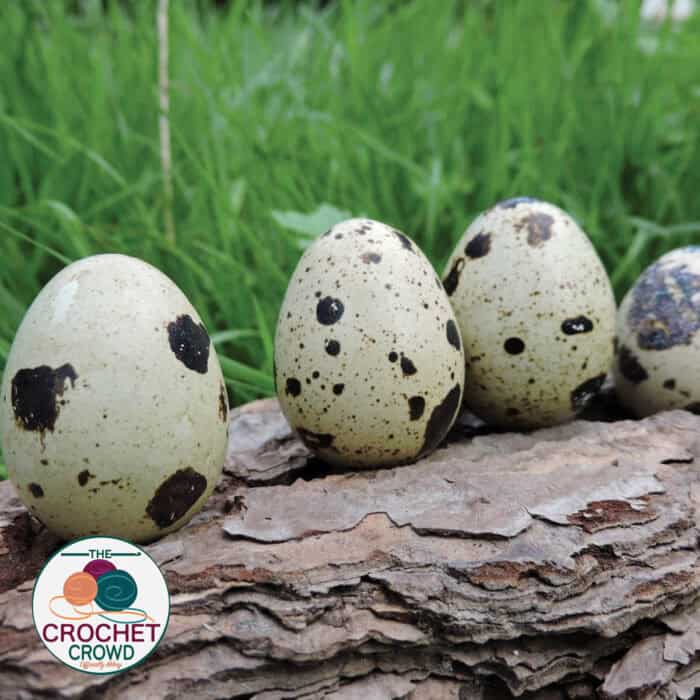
(558, 564)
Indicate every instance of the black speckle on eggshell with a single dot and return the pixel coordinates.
(585, 391)
(440, 420)
(329, 311)
(407, 366)
(416, 407)
(34, 392)
(451, 282)
(175, 496)
(453, 335)
(332, 347)
(292, 387)
(578, 324)
(630, 367)
(404, 239)
(514, 346)
(479, 246)
(189, 342)
(84, 477)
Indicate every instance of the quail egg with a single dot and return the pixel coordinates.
(114, 413)
(536, 312)
(369, 361)
(658, 356)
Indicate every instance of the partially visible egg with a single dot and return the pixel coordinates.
(536, 312)
(113, 418)
(368, 356)
(658, 356)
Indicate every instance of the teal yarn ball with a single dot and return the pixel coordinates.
(116, 590)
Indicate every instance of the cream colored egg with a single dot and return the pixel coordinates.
(536, 312)
(658, 357)
(114, 413)
(369, 363)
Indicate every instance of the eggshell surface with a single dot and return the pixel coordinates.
(114, 413)
(369, 362)
(658, 357)
(536, 312)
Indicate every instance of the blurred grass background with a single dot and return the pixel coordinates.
(286, 117)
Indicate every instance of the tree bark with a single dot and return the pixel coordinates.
(558, 564)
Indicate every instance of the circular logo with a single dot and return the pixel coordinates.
(100, 605)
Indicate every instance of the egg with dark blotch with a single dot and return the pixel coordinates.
(536, 312)
(114, 413)
(657, 364)
(368, 355)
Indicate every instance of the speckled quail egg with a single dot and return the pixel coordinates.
(658, 356)
(114, 413)
(536, 312)
(368, 356)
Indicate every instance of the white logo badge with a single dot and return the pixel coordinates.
(100, 605)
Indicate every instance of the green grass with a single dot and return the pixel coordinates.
(417, 113)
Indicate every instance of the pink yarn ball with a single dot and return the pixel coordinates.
(98, 567)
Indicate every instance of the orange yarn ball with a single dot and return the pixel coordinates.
(80, 588)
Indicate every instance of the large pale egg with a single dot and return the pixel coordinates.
(114, 413)
(536, 312)
(658, 358)
(369, 362)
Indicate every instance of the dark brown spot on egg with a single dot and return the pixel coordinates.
(393, 356)
(338, 389)
(223, 402)
(479, 246)
(665, 308)
(670, 384)
(175, 496)
(416, 407)
(36, 490)
(453, 334)
(292, 387)
(514, 346)
(694, 408)
(512, 203)
(578, 324)
(34, 395)
(329, 311)
(584, 392)
(314, 440)
(630, 367)
(440, 420)
(332, 347)
(539, 228)
(368, 258)
(452, 280)
(407, 366)
(189, 342)
(84, 477)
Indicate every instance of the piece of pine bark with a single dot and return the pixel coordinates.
(558, 564)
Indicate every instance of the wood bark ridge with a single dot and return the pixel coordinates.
(558, 564)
